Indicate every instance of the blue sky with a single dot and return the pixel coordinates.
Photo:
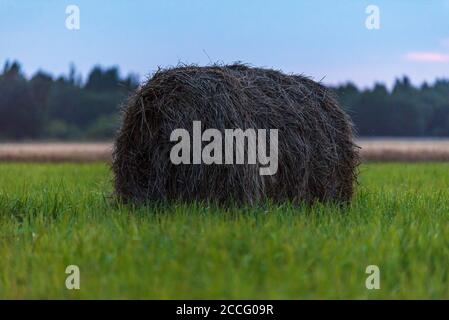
(321, 38)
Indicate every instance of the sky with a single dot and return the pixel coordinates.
(325, 39)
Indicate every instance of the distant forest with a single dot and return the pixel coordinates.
(67, 108)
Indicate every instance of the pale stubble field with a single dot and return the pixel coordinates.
(371, 150)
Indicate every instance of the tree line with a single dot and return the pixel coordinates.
(63, 108)
(67, 108)
(405, 110)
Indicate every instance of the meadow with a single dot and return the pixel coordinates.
(55, 215)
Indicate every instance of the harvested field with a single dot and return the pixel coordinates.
(55, 152)
(410, 150)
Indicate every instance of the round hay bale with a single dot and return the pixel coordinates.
(317, 157)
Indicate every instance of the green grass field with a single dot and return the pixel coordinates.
(52, 216)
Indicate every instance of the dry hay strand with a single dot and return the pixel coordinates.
(317, 158)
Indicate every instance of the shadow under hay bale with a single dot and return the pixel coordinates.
(317, 158)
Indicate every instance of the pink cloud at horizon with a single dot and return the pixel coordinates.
(427, 57)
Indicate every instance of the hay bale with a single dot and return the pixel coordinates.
(316, 154)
